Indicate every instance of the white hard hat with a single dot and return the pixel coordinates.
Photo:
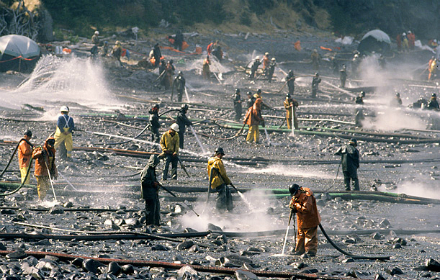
(175, 127)
(257, 58)
(64, 109)
(96, 32)
(404, 34)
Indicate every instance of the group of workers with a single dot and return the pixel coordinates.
(268, 67)
(45, 168)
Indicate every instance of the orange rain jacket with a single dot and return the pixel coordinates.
(307, 212)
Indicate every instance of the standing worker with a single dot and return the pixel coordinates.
(253, 118)
(24, 156)
(170, 148)
(432, 67)
(250, 101)
(237, 105)
(95, 42)
(206, 73)
(396, 101)
(266, 62)
(315, 84)
(179, 83)
(219, 181)
(303, 203)
(117, 51)
(290, 80)
(290, 105)
(183, 122)
(343, 75)
(156, 54)
(169, 72)
(433, 103)
(315, 59)
(150, 192)
(254, 67)
(178, 40)
(45, 168)
(271, 69)
(350, 163)
(154, 123)
(65, 127)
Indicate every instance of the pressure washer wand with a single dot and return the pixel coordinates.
(187, 205)
(50, 180)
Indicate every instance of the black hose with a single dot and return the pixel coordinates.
(22, 184)
(140, 133)
(10, 160)
(349, 254)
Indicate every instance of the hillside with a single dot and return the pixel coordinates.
(343, 17)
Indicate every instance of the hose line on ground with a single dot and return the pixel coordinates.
(349, 254)
(22, 183)
(10, 160)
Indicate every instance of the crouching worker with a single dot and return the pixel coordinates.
(218, 181)
(303, 203)
(150, 191)
(45, 168)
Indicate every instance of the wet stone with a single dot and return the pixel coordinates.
(379, 277)
(2, 247)
(213, 227)
(159, 247)
(185, 245)
(113, 268)
(377, 236)
(432, 265)
(91, 265)
(127, 269)
(19, 254)
(395, 271)
(384, 224)
(245, 275)
(187, 272)
(348, 260)
(7, 212)
(57, 209)
(397, 246)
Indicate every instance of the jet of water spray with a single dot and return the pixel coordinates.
(197, 139)
(285, 240)
(187, 95)
(267, 136)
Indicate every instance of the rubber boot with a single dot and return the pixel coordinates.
(355, 184)
(347, 183)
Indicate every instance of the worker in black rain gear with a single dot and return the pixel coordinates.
(290, 80)
(183, 122)
(237, 105)
(343, 75)
(254, 67)
(360, 98)
(350, 164)
(157, 55)
(150, 192)
(433, 103)
(315, 84)
(154, 123)
(179, 83)
(250, 100)
(271, 69)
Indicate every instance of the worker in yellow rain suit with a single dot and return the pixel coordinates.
(290, 105)
(219, 181)
(65, 127)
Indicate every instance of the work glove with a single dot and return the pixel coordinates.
(174, 154)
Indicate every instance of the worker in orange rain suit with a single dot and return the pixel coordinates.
(432, 67)
(219, 181)
(65, 127)
(290, 105)
(24, 155)
(266, 62)
(45, 168)
(253, 118)
(303, 203)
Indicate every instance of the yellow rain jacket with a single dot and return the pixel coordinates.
(216, 180)
(169, 144)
